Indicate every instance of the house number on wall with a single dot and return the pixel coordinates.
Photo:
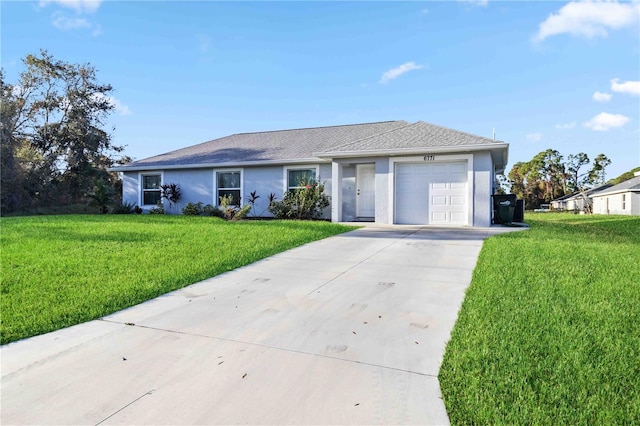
(429, 157)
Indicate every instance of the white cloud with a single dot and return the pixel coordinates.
(398, 71)
(118, 106)
(79, 6)
(589, 19)
(601, 97)
(631, 87)
(78, 21)
(534, 137)
(65, 23)
(566, 125)
(605, 121)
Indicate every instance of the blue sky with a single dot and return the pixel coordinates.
(561, 75)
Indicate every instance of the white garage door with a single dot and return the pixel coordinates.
(431, 193)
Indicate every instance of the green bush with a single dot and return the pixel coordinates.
(193, 209)
(305, 202)
(158, 209)
(210, 210)
(242, 212)
(231, 211)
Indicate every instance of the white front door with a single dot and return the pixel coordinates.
(365, 191)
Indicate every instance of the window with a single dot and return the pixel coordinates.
(624, 201)
(295, 177)
(151, 189)
(228, 183)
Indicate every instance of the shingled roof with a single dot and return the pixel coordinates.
(416, 136)
(279, 145)
(312, 144)
(632, 185)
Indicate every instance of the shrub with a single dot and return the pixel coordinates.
(193, 209)
(125, 208)
(172, 192)
(253, 197)
(210, 210)
(159, 209)
(232, 212)
(242, 212)
(305, 202)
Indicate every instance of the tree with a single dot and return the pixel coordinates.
(10, 172)
(539, 180)
(517, 177)
(54, 145)
(547, 177)
(575, 180)
(501, 184)
(597, 172)
(548, 167)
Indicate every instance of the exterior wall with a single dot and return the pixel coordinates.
(384, 181)
(198, 185)
(482, 189)
(195, 185)
(349, 193)
(633, 200)
(577, 203)
(130, 191)
(263, 180)
(324, 175)
(632, 204)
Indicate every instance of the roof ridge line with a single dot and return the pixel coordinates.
(369, 137)
(311, 128)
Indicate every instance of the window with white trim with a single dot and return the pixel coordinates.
(151, 189)
(229, 183)
(297, 176)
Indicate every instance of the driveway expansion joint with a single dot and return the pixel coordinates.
(262, 345)
(128, 405)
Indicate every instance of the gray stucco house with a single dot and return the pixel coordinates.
(623, 198)
(391, 172)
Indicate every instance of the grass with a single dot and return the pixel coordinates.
(58, 271)
(549, 332)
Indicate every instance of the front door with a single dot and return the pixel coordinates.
(365, 191)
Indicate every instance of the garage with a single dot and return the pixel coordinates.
(431, 193)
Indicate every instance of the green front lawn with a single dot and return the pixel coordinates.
(59, 271)
(549, 332)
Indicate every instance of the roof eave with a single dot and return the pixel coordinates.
(142, 168)
(410, 151)
(619, 191)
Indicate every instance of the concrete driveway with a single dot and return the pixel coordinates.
(347, 330)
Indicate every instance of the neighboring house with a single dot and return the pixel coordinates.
(387, 172)
(560, 204)
(623, 198)
(582, 201)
